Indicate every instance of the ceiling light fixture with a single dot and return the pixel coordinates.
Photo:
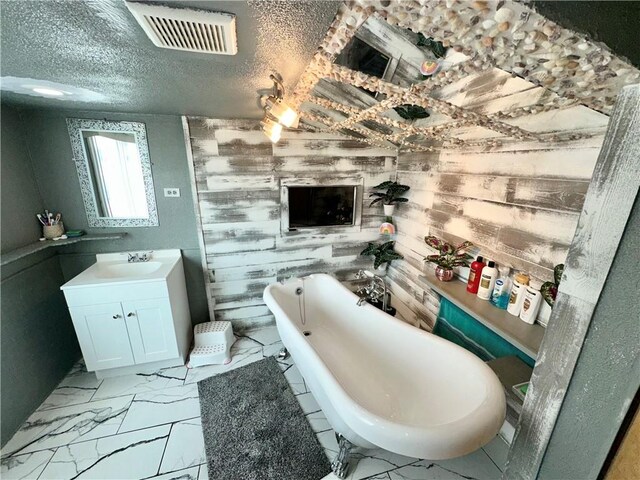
(271, 129)
(48, 91)
(277, 113)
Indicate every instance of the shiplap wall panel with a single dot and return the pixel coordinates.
(238, 176)
(518, 204)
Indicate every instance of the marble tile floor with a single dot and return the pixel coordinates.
(148, 426)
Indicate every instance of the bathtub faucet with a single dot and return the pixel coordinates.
(374, 291)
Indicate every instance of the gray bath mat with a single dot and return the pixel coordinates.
(254, 427)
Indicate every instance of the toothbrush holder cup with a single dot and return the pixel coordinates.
(52, 231)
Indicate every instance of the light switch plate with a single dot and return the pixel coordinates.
(172, 192)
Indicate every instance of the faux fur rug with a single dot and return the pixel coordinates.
(254, 427)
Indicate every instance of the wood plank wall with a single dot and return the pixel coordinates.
(519, 204)
(238, 172)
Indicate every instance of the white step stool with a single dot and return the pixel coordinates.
(212, 344)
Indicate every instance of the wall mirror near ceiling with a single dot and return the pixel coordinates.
(114, 169)
(394, 54)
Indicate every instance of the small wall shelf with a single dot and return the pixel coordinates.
(32, 248)
(520, 334)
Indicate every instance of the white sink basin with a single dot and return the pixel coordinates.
(113, 268)
(126, 270)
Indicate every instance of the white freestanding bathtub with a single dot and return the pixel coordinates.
(381, 382)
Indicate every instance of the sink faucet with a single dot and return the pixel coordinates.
(375, 290)
(139, 257)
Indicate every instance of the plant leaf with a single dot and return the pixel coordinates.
(386, 184)
(463, 246)
(432, 241)
(549, 290)
(558, 270)
(371, 249)
(411, 112)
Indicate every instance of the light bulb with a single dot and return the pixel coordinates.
(286, 115)
(273, 130)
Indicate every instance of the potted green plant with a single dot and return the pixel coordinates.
(390, 197)
(447, 257)
(383, 254)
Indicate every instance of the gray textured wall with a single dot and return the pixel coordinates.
(48, 141)
(38, 343)
(607, 375)
(20, 196)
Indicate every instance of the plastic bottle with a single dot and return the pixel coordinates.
(531, 302)
(475, 270)
(516, 298)
(500, 294)
(487, 280)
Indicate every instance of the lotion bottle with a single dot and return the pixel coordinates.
(500, 294)
(531, 302)
(475, 271)
(487, 280)
(516, 298)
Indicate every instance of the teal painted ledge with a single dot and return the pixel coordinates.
(32, 248)
(520, 334)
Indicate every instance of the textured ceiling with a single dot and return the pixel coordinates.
(97, 46)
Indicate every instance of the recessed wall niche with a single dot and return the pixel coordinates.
(331, 205)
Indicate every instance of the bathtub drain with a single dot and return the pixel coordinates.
(306, 333)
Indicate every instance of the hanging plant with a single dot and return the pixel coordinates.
(549, 290)
(434, 46)
(411, 112)
(382, 253)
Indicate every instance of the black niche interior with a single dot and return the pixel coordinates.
(321, 206)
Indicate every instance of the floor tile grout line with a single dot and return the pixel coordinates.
(125, 415)
(491, 458)
(55, 450)
(152, 426)
(94, 393)
(164, 450)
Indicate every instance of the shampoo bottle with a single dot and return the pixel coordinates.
(531, 302)
(520, 283)
(475, 271)
(500, 294)
(487, 280)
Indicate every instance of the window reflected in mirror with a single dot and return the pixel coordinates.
(114, 169)
(116, 172)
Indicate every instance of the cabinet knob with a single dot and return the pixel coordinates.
(131, 314)
(116, 316)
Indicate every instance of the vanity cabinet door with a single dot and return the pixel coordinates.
(103, 336)
(150, 326)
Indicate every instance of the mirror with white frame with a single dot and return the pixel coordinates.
(114, 169)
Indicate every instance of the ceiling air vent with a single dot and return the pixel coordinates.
(185, 29)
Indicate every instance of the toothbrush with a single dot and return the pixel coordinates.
(40, 219)
(57, 220)
(50, 215)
